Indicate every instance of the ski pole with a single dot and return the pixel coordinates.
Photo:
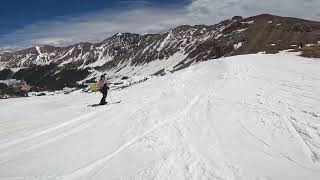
(110, 96)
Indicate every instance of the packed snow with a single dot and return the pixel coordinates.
(237, 118)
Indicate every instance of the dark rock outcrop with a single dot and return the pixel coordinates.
(6, 74)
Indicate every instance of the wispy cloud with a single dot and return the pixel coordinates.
(143, 18)
(95, 26)
(217, 9)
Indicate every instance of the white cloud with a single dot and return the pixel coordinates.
(205, 10)
(95, 27)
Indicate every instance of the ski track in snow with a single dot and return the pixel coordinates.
(243, 117)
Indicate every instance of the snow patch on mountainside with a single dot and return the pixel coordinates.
(67, 54)
(238, 45)
(42, 58)
(38, 50)
(24, 60)
(101, 61)
(242, 117)
(150, 68)
(164, 42)
(157, 65)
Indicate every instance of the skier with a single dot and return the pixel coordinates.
(103, 86)
(301, 45)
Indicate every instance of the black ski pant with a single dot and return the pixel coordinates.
(104, 91)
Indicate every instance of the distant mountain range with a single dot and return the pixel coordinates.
(127, 54)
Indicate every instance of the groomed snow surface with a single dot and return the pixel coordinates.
(244, 117)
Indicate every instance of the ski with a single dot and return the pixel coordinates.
(110, 103)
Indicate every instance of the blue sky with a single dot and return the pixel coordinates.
(25, 23)
(16, 14)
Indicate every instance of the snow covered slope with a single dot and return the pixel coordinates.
(242, 117)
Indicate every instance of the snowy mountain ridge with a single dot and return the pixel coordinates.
(198, 43)
(248, 117)
(129, 54)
